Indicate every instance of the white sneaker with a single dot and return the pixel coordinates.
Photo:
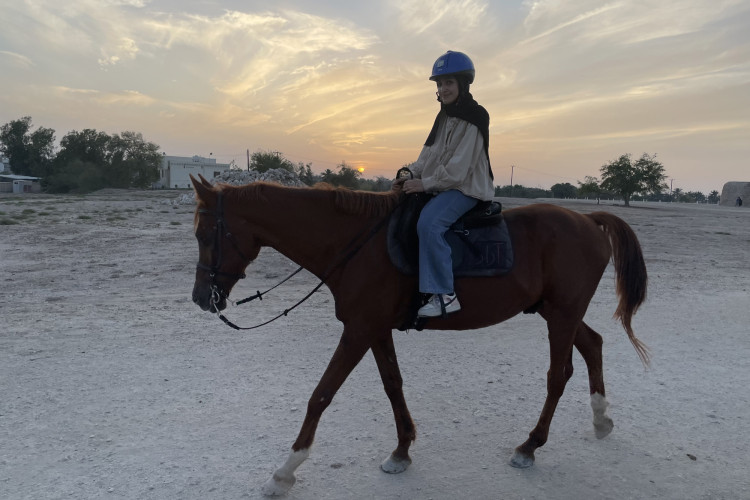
(433, 307)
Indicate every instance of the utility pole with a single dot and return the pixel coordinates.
(248, 159)
(512, 168)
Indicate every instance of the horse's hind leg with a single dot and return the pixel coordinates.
(385, 356)
(589, 344)
(348, 354)
(561, 335)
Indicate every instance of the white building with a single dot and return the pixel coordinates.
(10, 183)
(175, 170)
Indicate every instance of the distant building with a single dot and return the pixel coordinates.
(174, 172)
(10, 183)
(4, 165)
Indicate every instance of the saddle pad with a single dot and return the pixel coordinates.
(478, 251)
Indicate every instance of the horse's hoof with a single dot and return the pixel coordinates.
(521, 461)
(394, 465)
(278, 486)
(603, 425)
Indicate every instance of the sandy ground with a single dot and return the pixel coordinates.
(114, 385)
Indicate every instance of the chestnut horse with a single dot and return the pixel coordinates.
(560, 256)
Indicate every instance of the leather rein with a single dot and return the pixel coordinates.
(222, 232)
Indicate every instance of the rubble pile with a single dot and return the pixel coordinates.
(242, 177)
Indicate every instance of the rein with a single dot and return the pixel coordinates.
(350, 251)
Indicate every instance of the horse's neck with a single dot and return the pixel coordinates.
(303, 225)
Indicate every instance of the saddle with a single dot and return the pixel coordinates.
(479, 240)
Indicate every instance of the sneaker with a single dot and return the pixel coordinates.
(433, 307)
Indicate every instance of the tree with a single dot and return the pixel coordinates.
(133, 161)
(688, 196)
(305, 174)
(261, 161)
(345, 177)
(378, 184)
(693, 197)
(87, 146)
(29, 153)
(565, 190)
(520, 191)
(713, 197)
(76, 176)
(590, 186)
(91, 160)
(626, 178)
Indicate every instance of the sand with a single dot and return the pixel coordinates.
(115, 385)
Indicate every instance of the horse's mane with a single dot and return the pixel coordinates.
(344, 200)
(361, 202)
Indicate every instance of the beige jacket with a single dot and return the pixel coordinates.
(456, 160)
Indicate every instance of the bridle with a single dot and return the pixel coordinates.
(222, 232)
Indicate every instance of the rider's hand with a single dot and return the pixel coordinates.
(398, 184)
(413, 186)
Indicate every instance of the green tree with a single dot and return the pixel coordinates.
(590, 186)
(88, 146)
(76, 176)
(91, 160)
(626, 178)
(713, 197)
(81, 164)
(565, 190)
(305, 173)
(29, 152)
(694, 197)
(378, 184)
(133, 161)
(345, 177)
(261, 161)
(520, 191)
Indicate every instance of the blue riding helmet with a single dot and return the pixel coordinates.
(453, 63)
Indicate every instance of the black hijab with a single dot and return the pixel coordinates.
(466, 108)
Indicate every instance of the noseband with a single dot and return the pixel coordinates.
(221, 233)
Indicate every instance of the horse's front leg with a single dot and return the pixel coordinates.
(348, 354)
(385, 356)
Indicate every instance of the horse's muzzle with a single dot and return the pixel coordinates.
(209, 299)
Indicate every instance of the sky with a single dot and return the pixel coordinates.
(570, 86)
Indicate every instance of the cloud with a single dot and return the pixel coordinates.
(550, 17)
(125, 48)
(18, 60)
(125, 98)
(620, 22)
(443, 16)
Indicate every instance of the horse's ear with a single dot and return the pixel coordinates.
(202, 188)
(205, 182)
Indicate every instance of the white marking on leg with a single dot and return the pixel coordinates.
(393, 465)
(520, 461)
(283, 479)
(602, 423)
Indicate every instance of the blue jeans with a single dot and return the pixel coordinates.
(435, 265)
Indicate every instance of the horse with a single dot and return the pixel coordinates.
(339, 236)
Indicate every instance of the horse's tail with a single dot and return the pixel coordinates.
(630, 273)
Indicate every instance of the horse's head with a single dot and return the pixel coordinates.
(223, 255)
